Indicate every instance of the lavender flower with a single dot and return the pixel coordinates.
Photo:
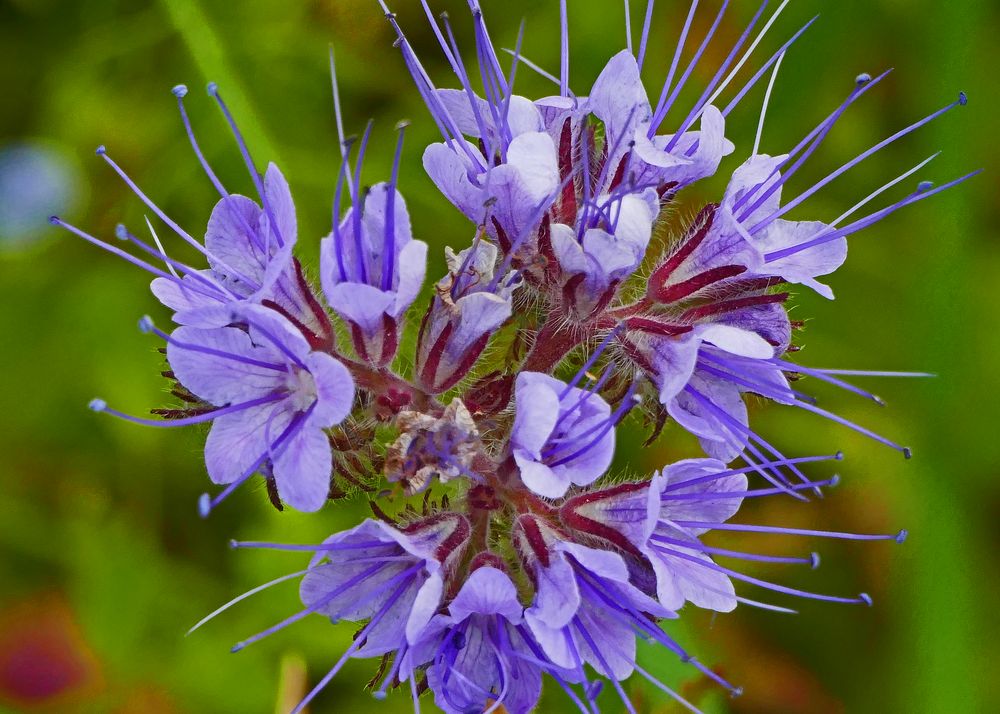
(372, 268)
(478, 655)
(562, 435)
(527, 558)
(270, 399)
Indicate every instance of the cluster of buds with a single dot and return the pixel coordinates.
(504, 550)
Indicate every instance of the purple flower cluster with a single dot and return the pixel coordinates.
(505, 551)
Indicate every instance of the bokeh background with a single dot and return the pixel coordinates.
(104, 563)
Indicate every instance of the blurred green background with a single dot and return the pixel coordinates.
(104, 563)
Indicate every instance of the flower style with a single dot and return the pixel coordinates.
(508, 550)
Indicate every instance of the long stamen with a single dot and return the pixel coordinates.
(628, 28)
(484, 132)
(213, 91)
(688, 70)
(812, 560)
(114, 250)
(863, 84)
(668, 82)
(646, 24)
(961, 101)
(389, 247)
(550, 454)
(863, 598)
(146, 325)
(101, 407)
(899, 537)
(747, 469)
(924, 191)
(338, 238)
(281, 346)
(206, 504)
(318, 547)
(719, 84)
(180, 91)
(323, 602)
(563, 50)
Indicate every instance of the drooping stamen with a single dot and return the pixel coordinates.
(854, 162)
(260, 588)
(213, 91)
(355, 645)
(146, 325)
(646, 24)
(180, 91)
(899, 537)
(101, 407)
(389, 247)
(825, 236)
(767, 100)
(659, 117)
(862, 599)
(668, 82)
(751, 83)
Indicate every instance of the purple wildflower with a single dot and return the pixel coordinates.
(271, 398)
(372, 269)
(561, 436)
(479, 655)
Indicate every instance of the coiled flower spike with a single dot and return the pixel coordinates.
(507, 550)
